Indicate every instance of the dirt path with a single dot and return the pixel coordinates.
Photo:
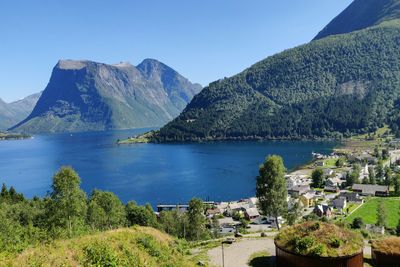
(238, 254)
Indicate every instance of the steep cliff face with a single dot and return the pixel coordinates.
(90, 96)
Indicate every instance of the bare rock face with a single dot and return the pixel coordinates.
(89, 96)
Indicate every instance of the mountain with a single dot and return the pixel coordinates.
(362, 14)
(333, 87)
(12, 113)
(89, 96)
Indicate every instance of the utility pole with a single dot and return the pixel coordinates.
(223, 256)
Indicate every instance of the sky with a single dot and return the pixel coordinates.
(203, 40)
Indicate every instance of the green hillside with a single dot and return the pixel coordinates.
(133, 247)
(333, 87)
(360, 15)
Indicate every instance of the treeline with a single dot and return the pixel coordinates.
(335, 87)
(68, 212)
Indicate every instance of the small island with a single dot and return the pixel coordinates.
(139, 139)
(13, 136)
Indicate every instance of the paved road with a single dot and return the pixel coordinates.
(238, 254)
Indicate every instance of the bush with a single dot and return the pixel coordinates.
(336, 242)
(357, 223)
(303, 244)
(318, 250)
(99, 254)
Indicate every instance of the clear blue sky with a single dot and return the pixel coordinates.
(203, 40)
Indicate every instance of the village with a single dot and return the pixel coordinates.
(332, 187)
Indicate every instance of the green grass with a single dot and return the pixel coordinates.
(368, 211)
(329, 163)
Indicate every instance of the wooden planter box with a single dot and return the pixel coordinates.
(383, 260)
(286, 258)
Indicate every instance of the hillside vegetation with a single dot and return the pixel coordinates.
(133, 247)
(334, 87)
(362, 14)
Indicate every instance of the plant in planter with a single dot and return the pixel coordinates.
(318, 244)
(386, 252)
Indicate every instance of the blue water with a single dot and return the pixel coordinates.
(153, 173)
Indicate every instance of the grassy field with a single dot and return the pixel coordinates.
(368, 211)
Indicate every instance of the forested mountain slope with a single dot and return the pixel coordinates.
(339, 85)
(362, 14)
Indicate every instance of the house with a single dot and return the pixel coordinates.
(252, 214)
(222, 206)
(212, 212)
(320, 163)
(375, 229)
(181, 208)
(334, 181)
(328, 172)
(339, 203)
(291, 181)
(307, 200)
(237, 207)
(352, 197)
(364, 174)
(323, 211)
(298, 190)
(333, 189)
(253, 201)
(371, 190)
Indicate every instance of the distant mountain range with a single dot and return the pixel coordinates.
(12, 113)
(89, 96)
(346, 81)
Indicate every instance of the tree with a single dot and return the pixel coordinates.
(396, 183)
(371, 175)
(215, 227)
(385, 154)
(317, 177)
(380, 173)
(67, 207)
(271, 188)
(4, 193)
(294, 212)
(105, 210)
(139, 215)
(340, 162)
(398, 229)
(377, 154)
(353, 177)
(196, 219)
(382, 216)
(175, 223)
(357, 223)
(388, 176)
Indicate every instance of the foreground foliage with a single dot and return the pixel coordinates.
(319, 239)
(138, 246)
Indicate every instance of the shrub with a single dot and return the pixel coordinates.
(99, 254)
(336, 242)
(318, 250)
